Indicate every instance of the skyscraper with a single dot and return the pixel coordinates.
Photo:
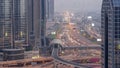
(36, 20)
(50, 10)
(110, 34)
(30, 22)
(14, 22)
(43, 46)
(5, 22)
(23, 22)
(43, 21)
(39, 17)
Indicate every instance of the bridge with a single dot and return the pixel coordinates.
(56, 57)
(82, 47)
(57, 41)
(57, 46)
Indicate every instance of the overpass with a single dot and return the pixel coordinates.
(57, 46)
(57, 41)
(56, 58)
(82, 47)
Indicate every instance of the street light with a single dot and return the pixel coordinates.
(89, 17)
(93, 24)
(99, 40)
(53, 33)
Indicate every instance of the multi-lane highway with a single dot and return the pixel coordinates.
(72, 36)
(55, 55)
(56, 50)
(73, 39)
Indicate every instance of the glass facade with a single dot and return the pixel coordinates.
(43, 22)
(6, 22)
(50, 10)
(110, 20)
(13, 22)
(36, 19)
(22, 22)
(30, 22)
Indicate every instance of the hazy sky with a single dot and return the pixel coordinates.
(78, 5)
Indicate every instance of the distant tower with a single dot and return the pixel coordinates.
(50, 10)
(67, 16)
(110, 33)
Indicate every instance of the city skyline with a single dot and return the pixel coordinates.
(33, 35)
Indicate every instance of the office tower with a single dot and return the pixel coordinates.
(43, 22)
(39, 17)
(30, 22)
(50, 10)
(5, 22)
(20, 23)
(14, 23)
(110, 34)
(36, 20)
(44, 48)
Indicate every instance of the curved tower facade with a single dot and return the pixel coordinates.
(6, 14)
(13, 23)
(110, 21)
(50, 10)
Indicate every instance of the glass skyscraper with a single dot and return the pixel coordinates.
(50, 10)
(39, 19)
(5, 22)
(110, 34)
(14, 23)
(23, 22)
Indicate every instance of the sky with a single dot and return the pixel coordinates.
(78, 5)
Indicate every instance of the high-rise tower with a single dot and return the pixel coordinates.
(39, 18)
(23, 22)
(50, 10)
(110, 34)
(14, 22)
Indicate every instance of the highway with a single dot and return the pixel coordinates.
(57, 46)
(71, 35)
(73, 39)
(55, 55)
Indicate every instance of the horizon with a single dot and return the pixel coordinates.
(78, 5)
